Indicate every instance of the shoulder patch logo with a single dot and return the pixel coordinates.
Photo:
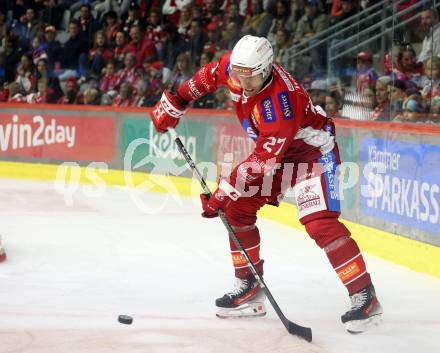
(286, 106)
(268, 110)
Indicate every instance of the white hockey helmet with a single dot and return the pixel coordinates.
(252, 56)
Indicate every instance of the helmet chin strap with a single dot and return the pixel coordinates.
(267, 73)
(269, 77)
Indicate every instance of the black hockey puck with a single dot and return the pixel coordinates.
(125, 319)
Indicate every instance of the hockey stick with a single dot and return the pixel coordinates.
(291, 327)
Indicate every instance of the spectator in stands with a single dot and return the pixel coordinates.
(185, 20)
(126, 96)
(429, 21)
(154, 84)
(18, 8)
(409, 69)
(71, 93)
(54, 51)
(197, 41)
(365, 74)
(336, 9)
(349, 8)
(197, 14)
(222, 100)
(212, 44)
(206, 58)
(230, 36)
(109, 80)
(154, 30)
(332, 106)
(397, 96)
(309, 25)
(26, 75)
(242, 6)
(392, 62)
(258, 22)
(232, 14)
(111, 26)
(413, 110)
(281, 53)
(143, 48)
(173, 46)
(99, 55)
(171, 9)
(369, 98)
(120, 7)
(88, 24)
(15, 94)
(382, 110)
(119, 49)
(276, 25)
(133, 19)
(49, 90)
(318, 91)
(91, 96)
(53, 14)
(74, 58)
(14, 48)
(73, 6)
(431, 87)
(281, 15)
(27, 27)
(129, 73)
(38, 49)
(296, 13)
(213, 13)
(182, 72)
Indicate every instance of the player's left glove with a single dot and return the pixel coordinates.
(219, 200)
(167, 111)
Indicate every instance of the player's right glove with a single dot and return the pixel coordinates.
(220, 199)
(167, 112)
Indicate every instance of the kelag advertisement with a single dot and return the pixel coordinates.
(145, 149)
(400, 183)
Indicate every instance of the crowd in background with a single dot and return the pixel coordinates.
(126, 52)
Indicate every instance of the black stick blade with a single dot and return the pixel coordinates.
(300, 331)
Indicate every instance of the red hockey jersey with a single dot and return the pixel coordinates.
(281, 119)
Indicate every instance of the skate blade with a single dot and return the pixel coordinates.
(243, 311)
(359, 326)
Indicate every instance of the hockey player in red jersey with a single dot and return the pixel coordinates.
(295, 147)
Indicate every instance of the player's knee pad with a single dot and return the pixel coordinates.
(243, 212)
(240, 218)
(325, 231)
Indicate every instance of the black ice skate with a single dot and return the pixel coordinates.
(246, 300)
(365, 311)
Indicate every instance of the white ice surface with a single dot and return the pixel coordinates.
(71, 270)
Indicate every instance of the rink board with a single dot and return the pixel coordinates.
(416, 255)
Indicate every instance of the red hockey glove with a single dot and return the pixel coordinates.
(220, 199)
(167, 112)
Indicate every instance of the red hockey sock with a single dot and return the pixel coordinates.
(249, 237)
(347, 260)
